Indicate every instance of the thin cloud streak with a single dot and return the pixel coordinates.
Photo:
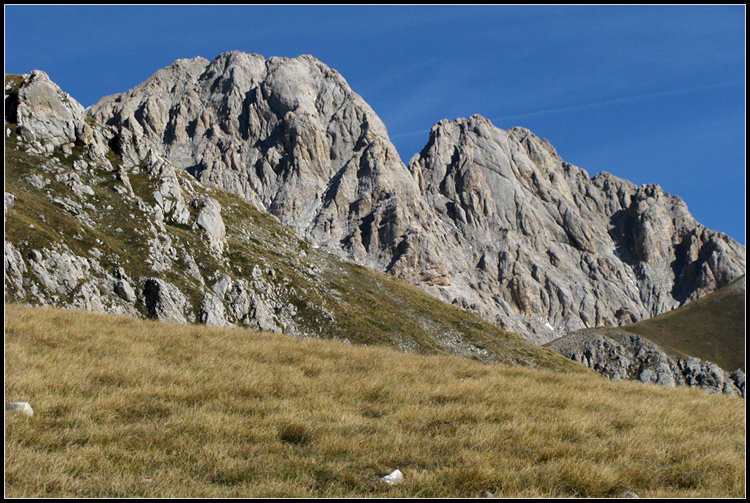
(412, 133)
(584, 106)
(627, 99)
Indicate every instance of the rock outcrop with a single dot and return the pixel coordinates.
(164, 301)
(81, 163)
(620, 355)
(492, 221)
(210, 222)
(48, 118)
(546, 249)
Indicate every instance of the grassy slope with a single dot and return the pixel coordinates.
(367, 307)
(127, 407)
(711, 328)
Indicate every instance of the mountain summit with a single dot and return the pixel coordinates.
(493, 221)
(291, 137)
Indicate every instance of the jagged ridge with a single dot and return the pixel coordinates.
(490, 220)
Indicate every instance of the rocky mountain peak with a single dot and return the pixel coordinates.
(125, 231)
(288, 135)
(544, 239)
(491, 220)
(43, 111)
(47, 118)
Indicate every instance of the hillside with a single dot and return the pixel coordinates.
(711, 328)
(251, 192)
(134, 408)
(688, 346)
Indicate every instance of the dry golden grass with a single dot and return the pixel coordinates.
(145, 409)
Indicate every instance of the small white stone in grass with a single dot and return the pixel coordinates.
(22, 407)
(393, 477)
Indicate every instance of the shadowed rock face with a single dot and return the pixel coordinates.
(491, 220)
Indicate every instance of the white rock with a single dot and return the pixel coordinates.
(164, 301)
(22, 407)
(393, 477)
(125, 291)
(209, 220)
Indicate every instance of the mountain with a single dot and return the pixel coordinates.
(106, 215)
(291, 137)
(492, 221)
(563, 250)
(95, 219)
(103, 211)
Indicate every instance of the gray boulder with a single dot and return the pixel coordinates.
(73, 182)
(164, 301)
(15, 268)
(8, 201)
(125, 291)
(212, 311)
(262, 316)
(210, 222)
(738, 378)
(170, 197)
(59, 271)
(20, 407)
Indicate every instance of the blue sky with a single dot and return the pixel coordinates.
(652, 94)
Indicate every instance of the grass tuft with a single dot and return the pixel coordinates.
(295, 433)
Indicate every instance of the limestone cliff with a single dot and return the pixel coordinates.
(291, 137)
(492, 221)
(545, 249)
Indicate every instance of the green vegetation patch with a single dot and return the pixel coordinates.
(12, 83)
